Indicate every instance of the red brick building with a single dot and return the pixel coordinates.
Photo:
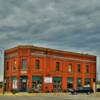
(46, 70)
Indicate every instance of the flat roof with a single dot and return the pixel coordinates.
(46, 49)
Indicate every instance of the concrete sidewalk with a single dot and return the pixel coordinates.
(45, 94)
(35, 94)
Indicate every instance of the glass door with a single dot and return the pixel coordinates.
(23, 83)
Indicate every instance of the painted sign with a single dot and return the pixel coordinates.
(47, 79)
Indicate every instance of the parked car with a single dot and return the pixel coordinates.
(70, 90)
(86, 90)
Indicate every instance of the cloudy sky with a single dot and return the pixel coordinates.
(71, 25)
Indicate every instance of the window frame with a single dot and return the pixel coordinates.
(57, 66)
(24, 64)
(37, 64)
(87, 69)
(79, 84)
(78, 68)
(7, 65)
(14, 65)
(70, 69)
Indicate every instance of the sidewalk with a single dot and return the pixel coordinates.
(35, 94)
(46, 94)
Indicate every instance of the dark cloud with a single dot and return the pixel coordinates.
(61, 24)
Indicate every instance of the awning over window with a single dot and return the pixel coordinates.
(37, 78)
(14, 78)
(57, 79)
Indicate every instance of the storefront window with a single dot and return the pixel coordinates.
(69, 82)
(23, 83)
(14, 82)
(79, 82)
(57, 84)
(87, 81)
(37, 83)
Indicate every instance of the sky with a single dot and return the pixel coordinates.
(71, 25)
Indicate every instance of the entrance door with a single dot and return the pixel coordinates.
(23, 83)
(69, 83)
(37, 83)
(57, 84)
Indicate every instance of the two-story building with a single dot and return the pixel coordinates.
(41, 69)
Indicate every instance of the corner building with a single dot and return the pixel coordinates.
(30, 68)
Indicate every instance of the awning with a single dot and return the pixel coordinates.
(37, 78)
(70, 80)
(57, 79)
(14, 78)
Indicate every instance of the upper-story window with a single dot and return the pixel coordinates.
(57, 66)
(87, 68)
(78, 68)
(7, 65)
(14, 65)
(24, 64)
(37, 64)
(70, 68)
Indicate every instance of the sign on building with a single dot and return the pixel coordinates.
(47, 79)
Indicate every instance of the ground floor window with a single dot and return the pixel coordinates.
(87, 82)
(79, 82)
(69, 82)
(7, 84)
(36, 83)
(14, 82)
(57, 84)
(23, 83)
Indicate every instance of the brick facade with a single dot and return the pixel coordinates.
(26, 68)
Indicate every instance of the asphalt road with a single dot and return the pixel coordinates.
(49, 97)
